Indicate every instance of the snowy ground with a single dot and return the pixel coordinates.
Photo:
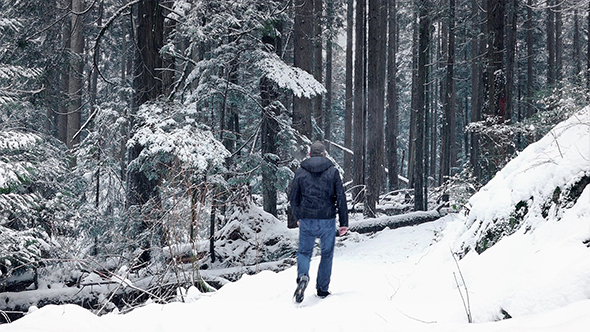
(398, 280)
(407, 279)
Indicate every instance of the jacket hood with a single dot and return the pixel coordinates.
(316, 164)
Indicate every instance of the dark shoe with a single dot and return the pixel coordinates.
(322, 294)
(301, 285)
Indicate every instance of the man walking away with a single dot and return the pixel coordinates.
(316, 195)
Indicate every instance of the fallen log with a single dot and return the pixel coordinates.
(373, 225)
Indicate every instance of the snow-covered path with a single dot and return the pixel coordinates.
(397, 280)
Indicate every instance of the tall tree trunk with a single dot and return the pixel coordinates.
(147, 84)
(269, 130)
(327, 118)
(512, 16)
(302, 44)
(62, 117)
(269, 92)
(76, 75)
(318, 65)
(448, 121)
(529, 61)
(391, 128)
(94, 76)
(359, 100)
(476, 90)
(412, 140)
(423, 41)
(496, 94)
(348, 92)
(551, 72)
(558, 43)
(376, 103)
(577, 46)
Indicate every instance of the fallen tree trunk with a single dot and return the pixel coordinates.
(378, 224)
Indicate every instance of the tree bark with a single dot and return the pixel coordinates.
(348, 92)
(269, 131)
(359, 101)
(551, 72)
(476, 95)
(391, 128)
(327, 117)
(76, 75)
(512, 16)
(529, 55)
(376, 107)
(318, 65)
(62, 117)
(558, 43)
(577, 49)
(448, 121)
(496, 94)
(302, 44)
(147, 84)
(420, 107)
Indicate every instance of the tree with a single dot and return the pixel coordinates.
(511, 26)
(529, 55)
(376, 108)
(496, 86)
(302, 43)
(476, 90)
(448, 121)
(358, 166)
(391, 127)
(551, 69)
(318, 65)
(420, 106)
(327, 117)
(76, 75)
(349, 90)
(142, 187)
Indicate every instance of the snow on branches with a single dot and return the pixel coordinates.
(169, 133)
(300, 82)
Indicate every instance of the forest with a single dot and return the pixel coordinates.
(154, 140)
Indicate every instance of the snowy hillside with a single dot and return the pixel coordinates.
(525, 267)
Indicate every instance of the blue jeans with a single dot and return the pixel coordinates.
(309, 230)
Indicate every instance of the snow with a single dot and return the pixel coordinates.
(409, 279)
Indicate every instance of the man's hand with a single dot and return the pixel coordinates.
(343, 230)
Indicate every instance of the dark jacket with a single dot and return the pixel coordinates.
(317, 192)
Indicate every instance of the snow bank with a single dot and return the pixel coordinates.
(531, 186)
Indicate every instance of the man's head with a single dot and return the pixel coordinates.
(317, 149)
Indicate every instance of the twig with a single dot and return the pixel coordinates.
(465, 299)
(416, 319)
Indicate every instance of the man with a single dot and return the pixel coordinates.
(316, 195)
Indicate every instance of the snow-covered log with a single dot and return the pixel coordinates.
(378, 224)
